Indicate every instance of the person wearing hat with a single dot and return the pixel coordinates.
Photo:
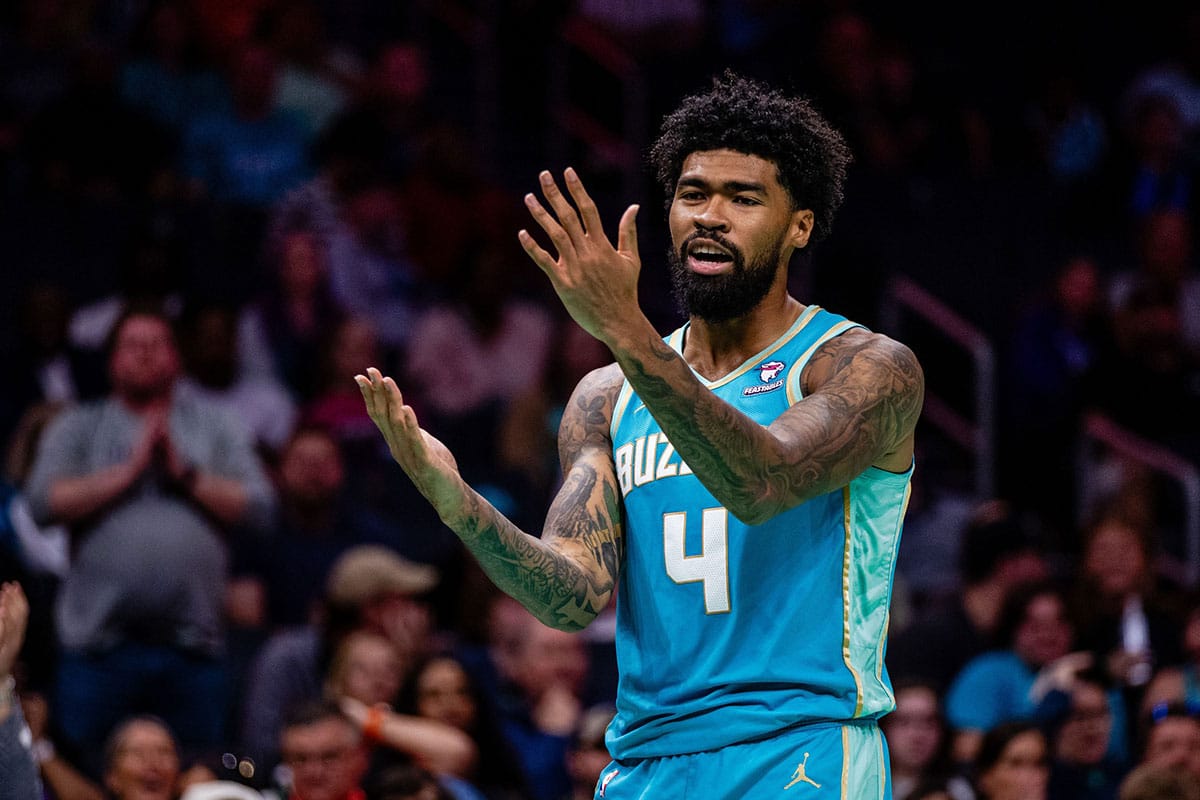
(369, 588)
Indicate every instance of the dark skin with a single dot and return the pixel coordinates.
(862, 391)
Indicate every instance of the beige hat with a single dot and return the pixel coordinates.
(368, 571)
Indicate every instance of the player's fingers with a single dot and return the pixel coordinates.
(395, 406)
(364, 386)
(627, 233)
(567, 216)
(368, 393)
(592, 225)
(381, 395)
(562, 242)
(535, 252)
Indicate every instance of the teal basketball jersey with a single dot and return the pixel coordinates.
(729, 632)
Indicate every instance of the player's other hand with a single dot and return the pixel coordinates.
(426, 461)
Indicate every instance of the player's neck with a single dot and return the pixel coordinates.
(714, 349)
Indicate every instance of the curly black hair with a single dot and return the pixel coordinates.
(749, 117)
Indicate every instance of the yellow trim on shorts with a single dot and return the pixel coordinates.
(845, 761)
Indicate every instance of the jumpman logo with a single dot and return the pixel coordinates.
(799, 777)
(607, 780)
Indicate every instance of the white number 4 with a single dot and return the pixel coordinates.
(711, 567)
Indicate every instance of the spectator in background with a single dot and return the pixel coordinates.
(1171, 738)
(150, 481)
(587, 755)
(364, 678)
(141, 760)
(88, 144)
(369, 473)
(35, 56)
(406, 782)
(249, 155)
(1013, 763)
(1069, 134)
(313, 85)
(1180, 683)
(153, 274)
(61, 777)
(998, 551)
(1166, 270)
(211, 350)
(542, 672)
(369, 589)
(447, 184)
(1177, 76)
(371, 273)
(1054, 349)
(317, 523)
(283, 331)
(440, 688)
(37, 556)
(394, 107)
(46, 367)
(919, 743)
(324, 753)
(1084, 765)
(468, 359)
(366, 668)
(1122, 617)
(527, 432)
(166, 76)
(1150, 384)
(333, 408)
(1155, 783)
(18, 770)
(1034, 637)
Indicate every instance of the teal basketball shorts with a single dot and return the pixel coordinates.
(809, 762)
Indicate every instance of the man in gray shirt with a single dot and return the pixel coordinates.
(150, 480)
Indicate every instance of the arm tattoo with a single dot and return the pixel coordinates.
(567, 576)
(863, 402)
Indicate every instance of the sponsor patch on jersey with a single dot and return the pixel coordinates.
(770, 387)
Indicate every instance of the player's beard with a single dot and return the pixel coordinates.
(732, 294)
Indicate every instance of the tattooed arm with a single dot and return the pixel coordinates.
(565, 578)
(863, 391)
(863, 394)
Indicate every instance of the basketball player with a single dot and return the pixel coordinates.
(740, 484)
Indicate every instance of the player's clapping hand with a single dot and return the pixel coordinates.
(426, 461)
(595, 281)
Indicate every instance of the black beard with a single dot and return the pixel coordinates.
(720, 298)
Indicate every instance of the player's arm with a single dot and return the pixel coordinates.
(863, 395)
(866, 390)
(565, 578)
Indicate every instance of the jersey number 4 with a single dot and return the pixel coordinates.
(711, 566)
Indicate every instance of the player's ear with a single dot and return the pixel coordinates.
(801, 227)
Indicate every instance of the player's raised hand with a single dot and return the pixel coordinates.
(426, 461)
(596, 282)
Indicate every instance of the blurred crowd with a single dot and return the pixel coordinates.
(214, 214)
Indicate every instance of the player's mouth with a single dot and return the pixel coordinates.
(705, 257)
